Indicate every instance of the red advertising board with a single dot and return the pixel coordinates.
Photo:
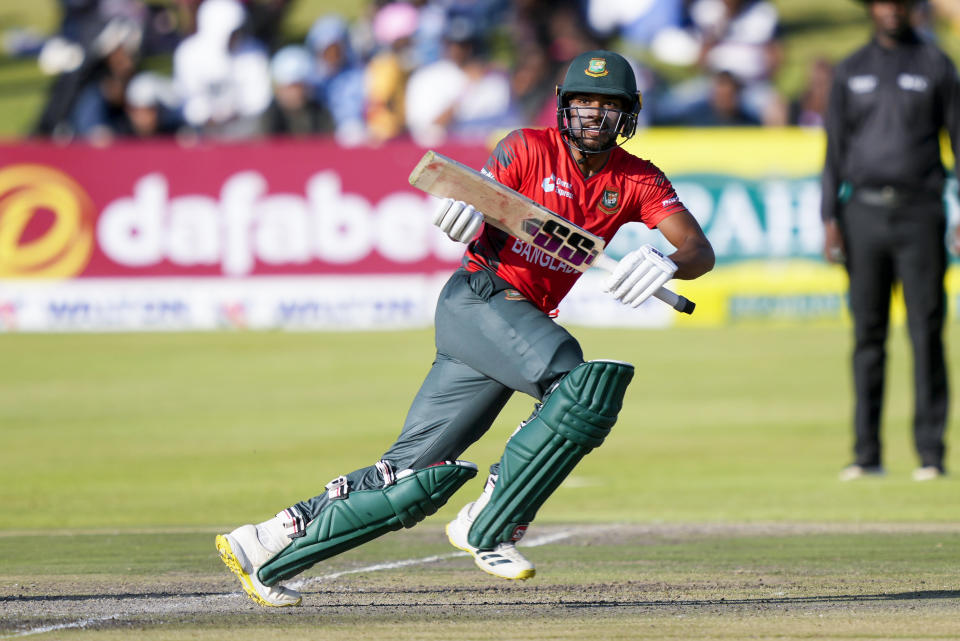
(266, 208)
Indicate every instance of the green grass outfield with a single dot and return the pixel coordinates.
(157, 430)
(712, 511)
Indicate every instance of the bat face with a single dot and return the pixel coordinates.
(508, 210)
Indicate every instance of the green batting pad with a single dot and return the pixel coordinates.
(366, 514)
(574, 419)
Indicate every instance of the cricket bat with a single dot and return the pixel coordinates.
(522, 217)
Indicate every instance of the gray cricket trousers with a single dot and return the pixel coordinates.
(490, 342)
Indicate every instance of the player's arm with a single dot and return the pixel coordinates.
(836, 130)
(641, 273)
(694, 256)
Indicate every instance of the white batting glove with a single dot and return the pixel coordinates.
(458, 220)
(638, 275)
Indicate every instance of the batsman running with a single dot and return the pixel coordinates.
(495, 335)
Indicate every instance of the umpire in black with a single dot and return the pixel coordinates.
(884, 219)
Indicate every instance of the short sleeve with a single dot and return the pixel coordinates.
(658, 199)
(505, 161)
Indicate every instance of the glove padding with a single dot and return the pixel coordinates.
(458, 220)
(638, 275)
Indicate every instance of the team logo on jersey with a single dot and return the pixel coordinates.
(610, 201)
(597, 68)
(512, 294)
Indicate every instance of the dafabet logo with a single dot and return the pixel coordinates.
(46, 223)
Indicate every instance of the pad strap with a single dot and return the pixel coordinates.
(338, 488)
(386, 472)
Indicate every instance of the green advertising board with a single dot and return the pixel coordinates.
(756, 193)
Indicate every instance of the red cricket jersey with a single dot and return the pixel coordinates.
(537, 163)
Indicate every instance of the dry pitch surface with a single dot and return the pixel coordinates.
(781, 581)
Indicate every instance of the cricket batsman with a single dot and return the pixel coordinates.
(495, 334)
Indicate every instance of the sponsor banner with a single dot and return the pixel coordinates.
(157, 209)
(286, 303)
(140, 236)
(161, 304)
(755, 191)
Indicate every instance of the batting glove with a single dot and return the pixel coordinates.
(638, 275)
(458, 220)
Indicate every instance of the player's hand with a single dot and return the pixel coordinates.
(458, 220)
(638, 275)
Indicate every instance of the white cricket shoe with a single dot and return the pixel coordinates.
(243, 553)
(503, 561)
(855, 472)
(927, 473)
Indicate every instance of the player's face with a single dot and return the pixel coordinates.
(594, 119)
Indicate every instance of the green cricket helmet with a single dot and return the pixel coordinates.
(605, 73)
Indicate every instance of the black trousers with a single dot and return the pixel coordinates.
(886, 243)
(490, 343)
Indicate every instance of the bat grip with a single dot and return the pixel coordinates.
(674, 300)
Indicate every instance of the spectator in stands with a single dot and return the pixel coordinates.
(638, 22)
(265, 18)
(387, 73)
(723, 109)
(100, 107)
(485, 16)
(338, 78)
(737, 36)
(80, 21)
(97, 113)
(92, 58)
(222, 74)
(567, 32)
(152, 107)
(462, 95)
(428, 40)
(808, 109)
(163, 28)
(294, 111)
(533, 83)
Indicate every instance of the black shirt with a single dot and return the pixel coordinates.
(886, 111)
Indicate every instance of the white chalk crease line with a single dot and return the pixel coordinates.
(392, 565)
(61, 626)
(302, 583)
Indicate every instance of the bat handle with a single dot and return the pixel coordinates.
(674, 300)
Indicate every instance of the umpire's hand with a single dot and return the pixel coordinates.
(833, 248)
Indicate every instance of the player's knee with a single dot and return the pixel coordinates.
(567, 357)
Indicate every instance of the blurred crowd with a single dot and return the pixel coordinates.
(430, 70)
